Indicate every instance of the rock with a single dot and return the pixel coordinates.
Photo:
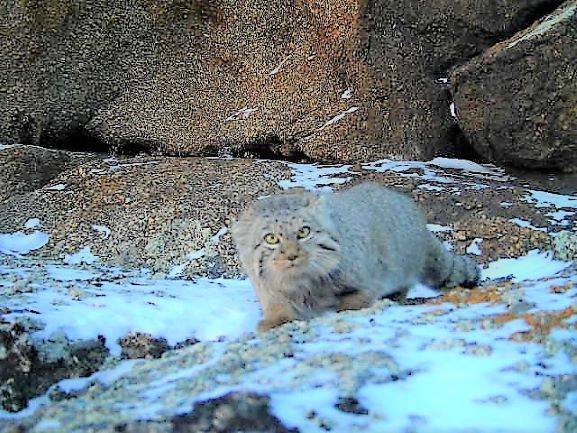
(29, 367)
(517, 102)
(236, 411)
(565, 245)
(137, 345)
(172, 215)
(26, 168)
(329, 80)
(166, 214)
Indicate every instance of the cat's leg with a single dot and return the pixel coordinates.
(355, 300)
(275, 315)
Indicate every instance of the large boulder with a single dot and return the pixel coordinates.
(344, 80)
(27, 168)
(517, 103)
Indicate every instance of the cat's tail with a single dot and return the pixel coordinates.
(444, 269)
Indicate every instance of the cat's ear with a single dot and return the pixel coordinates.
(242, 224)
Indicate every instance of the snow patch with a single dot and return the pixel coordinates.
(22, 243)
(436, 228)
(242, 114)
(527, 224)
(453, 111)
(57, 187)
(564, 13)
(280, 65)
(534, 265)
(421, 291)
(316, 177)
(82, 256)
(549, 199)
(347, 94)
(475, 247)
(32, 223)
(103, 231)
(338, 117)
(207, 310)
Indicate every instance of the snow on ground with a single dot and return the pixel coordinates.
(548, 199)
(425, 368)
(321, 177)
(434, 170)
(533, 266)
(316, 177)
(21, 243)
(429, 367)
(85, 303)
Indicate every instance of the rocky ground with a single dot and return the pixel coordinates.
(166, 349)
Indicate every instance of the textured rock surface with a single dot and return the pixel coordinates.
(317, 372)
(345, 80)
(478, 209)
(233, 412)
(239, 411)
(28, 368)
(26, 168)
(517, 103)
(171, 214)
(137, 345)
(157, 213)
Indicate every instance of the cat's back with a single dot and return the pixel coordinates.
(370, 202)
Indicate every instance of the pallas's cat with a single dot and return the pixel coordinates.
(306, 253)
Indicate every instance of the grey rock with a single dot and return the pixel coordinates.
(236, 411)
(28, 367)
(138, 345)
(565, 245)
(517, 102)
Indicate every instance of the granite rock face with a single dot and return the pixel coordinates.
(517, 102)
(344, 80)
(156, 213)
(27, 168)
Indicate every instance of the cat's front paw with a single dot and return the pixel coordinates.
(267, 324)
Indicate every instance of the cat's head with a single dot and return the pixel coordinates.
(287, 236)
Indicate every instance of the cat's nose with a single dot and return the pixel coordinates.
(292, 256)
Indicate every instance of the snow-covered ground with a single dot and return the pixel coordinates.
(437, 367)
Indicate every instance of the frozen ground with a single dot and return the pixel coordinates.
(440, 367)
(472, 362)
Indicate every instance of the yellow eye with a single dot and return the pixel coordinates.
(304, 232)
(271, 239)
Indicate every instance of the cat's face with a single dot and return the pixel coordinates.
(287, 237)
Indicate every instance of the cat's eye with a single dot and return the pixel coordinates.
(303, 232)
(271, 239)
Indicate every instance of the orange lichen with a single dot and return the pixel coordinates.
(561, 289)
(541, 323)
(492, 294)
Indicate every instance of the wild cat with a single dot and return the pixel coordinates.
(306, 253)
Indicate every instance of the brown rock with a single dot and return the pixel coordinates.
(157, 213)
(26, 168)
(331, 80)
(517, 103)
